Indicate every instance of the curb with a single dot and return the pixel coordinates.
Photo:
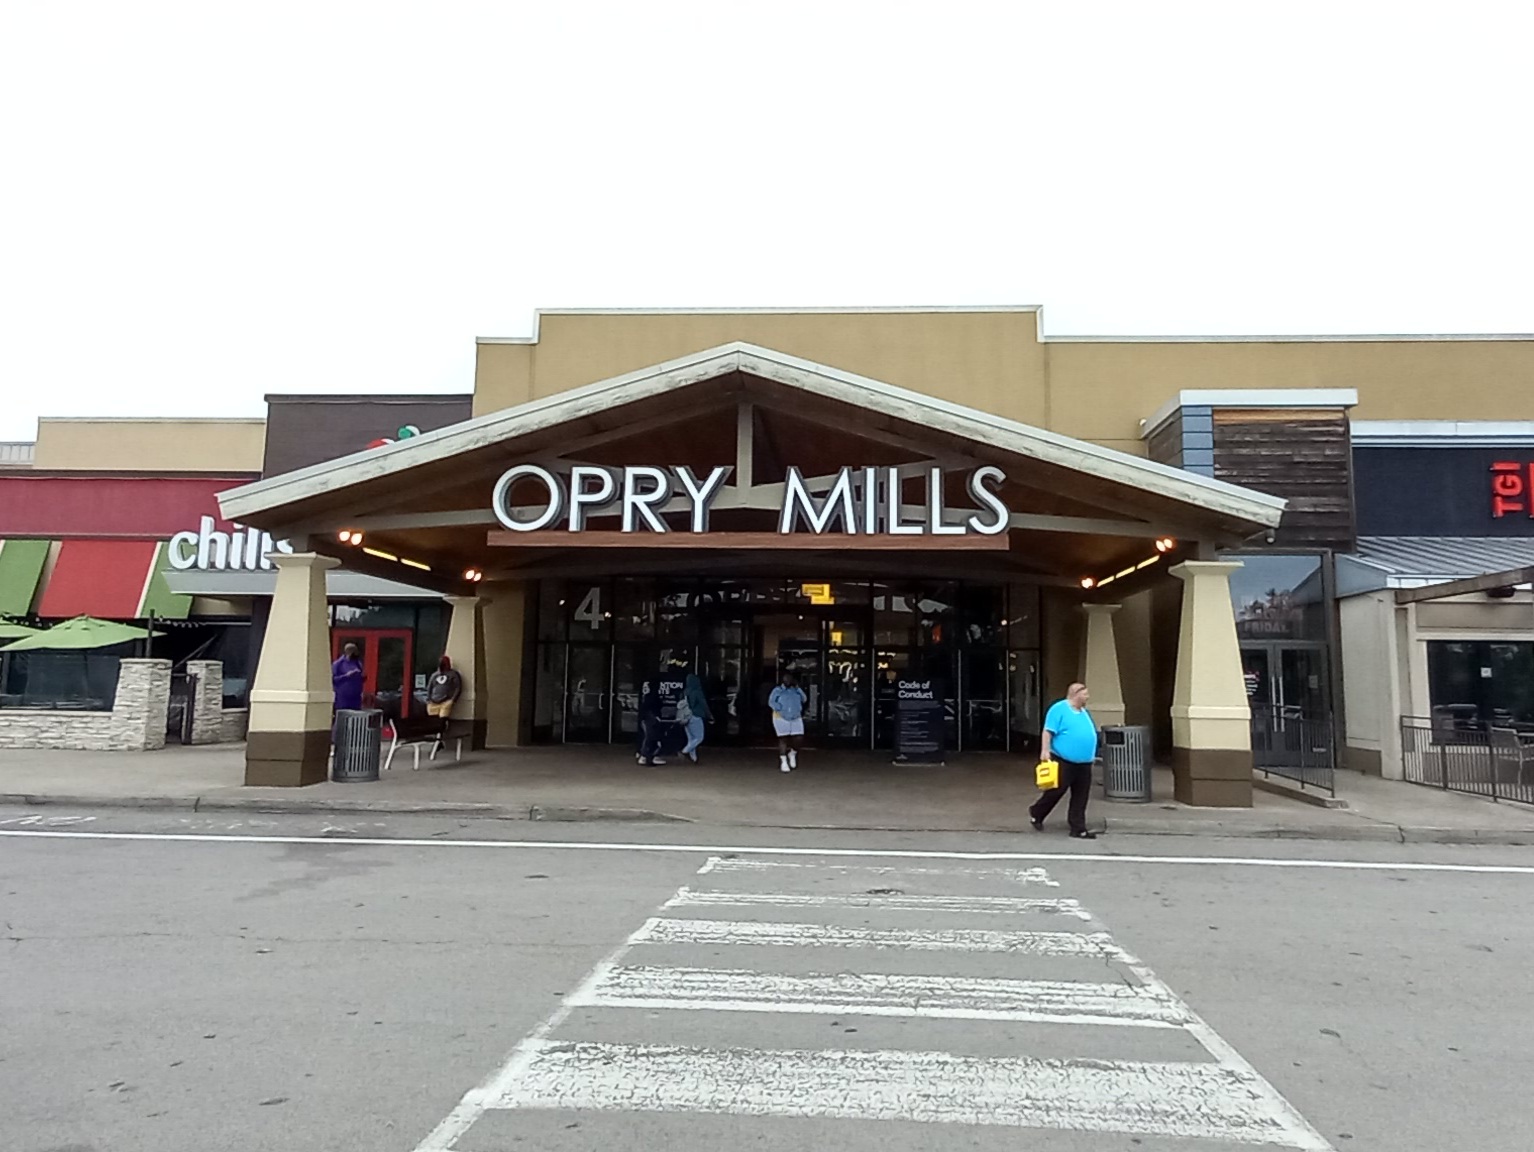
(1362, 831)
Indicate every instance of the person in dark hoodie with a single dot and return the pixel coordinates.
(693, 711)
(651, 726)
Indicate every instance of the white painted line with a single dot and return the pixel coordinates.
(1063, 857)
(1177, 1101)
(1299, 1128)
(859, 994)
(1019, 875)
(902, 902)
(663, 930)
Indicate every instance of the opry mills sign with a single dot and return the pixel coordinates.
(856, 501)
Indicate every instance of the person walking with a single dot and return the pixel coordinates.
(346, 678)
(1069, 739)
(692, 710)
(787, 703)
(651, 726)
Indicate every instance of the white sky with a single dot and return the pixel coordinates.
(202, 203)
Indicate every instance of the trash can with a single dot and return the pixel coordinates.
(1126, 764)
(358, 740)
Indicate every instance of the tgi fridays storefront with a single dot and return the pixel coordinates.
(740, 510)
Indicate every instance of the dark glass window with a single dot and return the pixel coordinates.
(1481, 682)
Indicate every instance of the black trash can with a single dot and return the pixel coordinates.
(1126, 764)
(358, 744)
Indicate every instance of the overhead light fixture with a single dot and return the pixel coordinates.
(415, 564)
(1165, 544)
(473, 575)
(382, 555)
(348, 536)
(1088, 582)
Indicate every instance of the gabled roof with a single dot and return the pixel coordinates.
(790, 372)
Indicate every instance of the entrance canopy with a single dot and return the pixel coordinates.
(751, 461)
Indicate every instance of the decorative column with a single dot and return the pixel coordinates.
(466, 649)
(208, 703)
(139, 711)
(1100, 665)
(291, 703)
(1211, 721)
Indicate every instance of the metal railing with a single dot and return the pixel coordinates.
(1290, 745)
(1470, 757)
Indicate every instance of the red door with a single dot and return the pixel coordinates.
(388, 663)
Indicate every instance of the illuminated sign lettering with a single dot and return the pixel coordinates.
(209, 550)
(856, 501)
(1512, 485)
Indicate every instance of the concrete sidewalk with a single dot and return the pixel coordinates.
(830, 790)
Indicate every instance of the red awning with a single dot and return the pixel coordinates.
(104, 578)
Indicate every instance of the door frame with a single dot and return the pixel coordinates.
(341, 635)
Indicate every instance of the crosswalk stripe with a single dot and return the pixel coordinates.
(722, 864)
(667, 930)
(1174, 1100)
(891, 901)
(861, 994)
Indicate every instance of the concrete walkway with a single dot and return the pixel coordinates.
(830, 790)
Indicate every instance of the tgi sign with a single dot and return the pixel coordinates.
(864, 501)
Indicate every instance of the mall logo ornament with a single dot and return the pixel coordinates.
(859, 501)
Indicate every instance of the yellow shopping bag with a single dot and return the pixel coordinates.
(1048, 775)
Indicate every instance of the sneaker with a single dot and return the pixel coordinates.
(656, 763)
(693, 755)
(1038, 825)
(783, 766)
(1083, 835)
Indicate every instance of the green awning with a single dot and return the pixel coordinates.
(79, 634)
(21, 567)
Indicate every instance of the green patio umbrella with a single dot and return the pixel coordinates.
(80, 634)
(16, 631)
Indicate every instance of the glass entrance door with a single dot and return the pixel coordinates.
(1286, 689)
(387, 656)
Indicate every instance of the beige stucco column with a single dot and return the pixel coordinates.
(291, 702)
(466, 649)
(1211, 722)
(1100, 664)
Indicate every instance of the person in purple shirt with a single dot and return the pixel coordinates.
(346, 677)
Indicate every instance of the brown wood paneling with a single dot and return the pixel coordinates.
(1304, 457)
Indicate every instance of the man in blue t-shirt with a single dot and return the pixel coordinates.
(1070, 739)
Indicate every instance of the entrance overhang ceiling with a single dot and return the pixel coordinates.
(1080, 503)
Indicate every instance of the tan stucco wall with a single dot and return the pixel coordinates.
(504, 617)
(1097, 389)
(1132, 629)
(988, 360)
(151, 445)
(1369, 676)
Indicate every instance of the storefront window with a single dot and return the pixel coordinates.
(1474, 682)
(1279, 598)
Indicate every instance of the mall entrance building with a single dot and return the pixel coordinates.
(742, 509)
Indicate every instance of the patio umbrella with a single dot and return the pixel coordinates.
(16, 631)
(80, 634)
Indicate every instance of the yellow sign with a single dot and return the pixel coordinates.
(817, 593)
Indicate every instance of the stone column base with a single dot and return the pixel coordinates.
(287, 759)
(1212, 777)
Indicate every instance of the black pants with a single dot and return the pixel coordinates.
(1078, 779)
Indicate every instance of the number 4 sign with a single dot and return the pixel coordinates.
(589, 610)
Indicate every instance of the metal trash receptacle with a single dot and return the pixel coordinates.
(358, 745)
(1126, 763)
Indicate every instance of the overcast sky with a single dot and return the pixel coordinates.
(206, 202)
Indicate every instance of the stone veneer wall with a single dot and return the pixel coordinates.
(208, 703)
(136, 722)
(235, 724)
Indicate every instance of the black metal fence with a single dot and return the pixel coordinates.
(1477, 759)
(1288, 744)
